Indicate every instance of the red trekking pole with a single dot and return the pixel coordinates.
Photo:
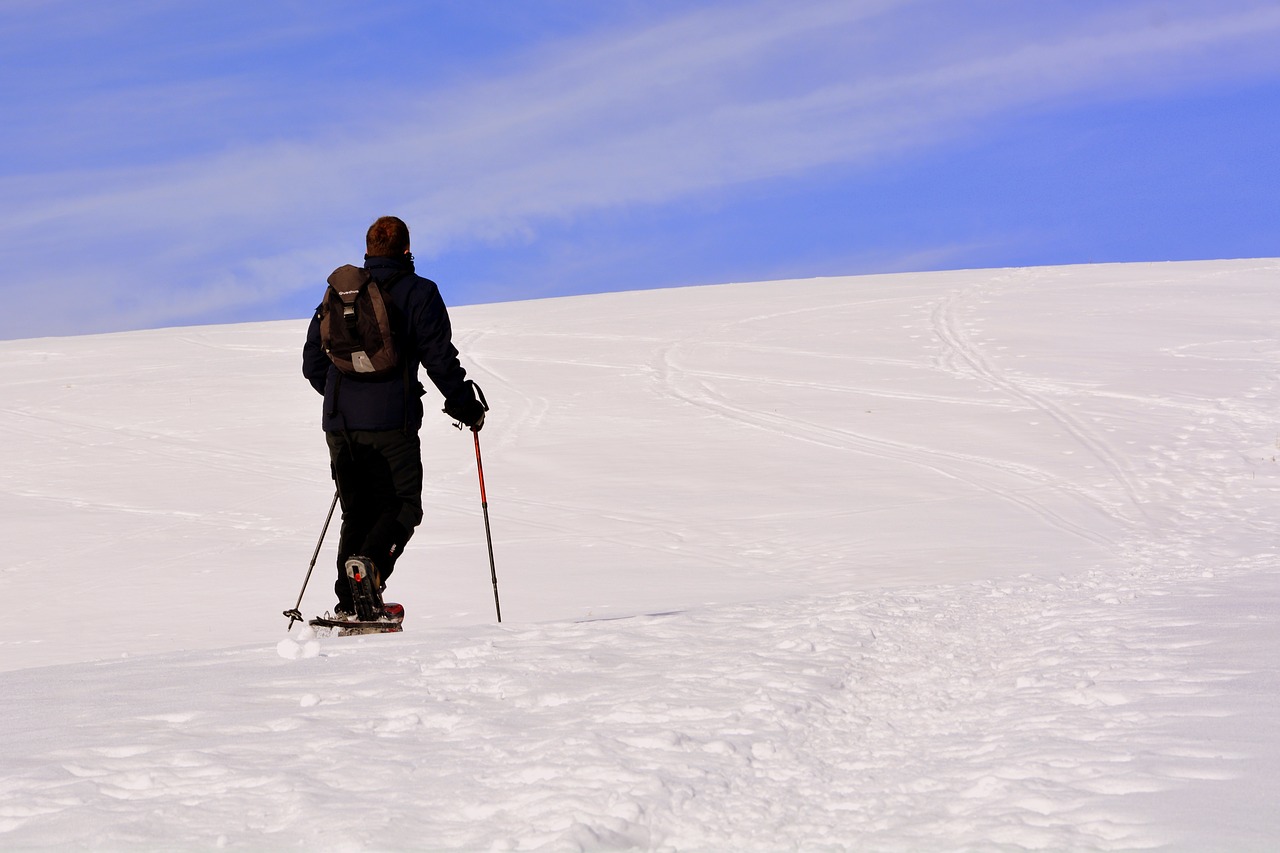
(484, 500)
(484, 505)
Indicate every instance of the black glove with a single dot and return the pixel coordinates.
(465, 408)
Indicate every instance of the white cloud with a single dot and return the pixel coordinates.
(695, 103)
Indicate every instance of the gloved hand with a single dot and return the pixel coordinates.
(466, 409)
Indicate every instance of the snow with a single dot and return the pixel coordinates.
(980, 560)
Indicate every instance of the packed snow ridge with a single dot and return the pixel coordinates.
(980, 560)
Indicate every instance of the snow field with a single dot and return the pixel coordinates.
(981, 560)
(1020, 714)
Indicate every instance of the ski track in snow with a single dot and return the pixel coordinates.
(948, 464)
(1118, 698)
(963, 357)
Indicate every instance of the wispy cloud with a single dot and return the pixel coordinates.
(695, 103)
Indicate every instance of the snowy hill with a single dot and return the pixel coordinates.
(970, 560)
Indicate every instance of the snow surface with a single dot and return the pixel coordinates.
(979, 560)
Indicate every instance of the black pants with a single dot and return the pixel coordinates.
(379, 478)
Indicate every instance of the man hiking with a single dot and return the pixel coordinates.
(376, 326)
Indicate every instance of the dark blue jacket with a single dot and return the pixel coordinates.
(423, 336)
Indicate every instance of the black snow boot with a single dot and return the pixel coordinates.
(366, 588)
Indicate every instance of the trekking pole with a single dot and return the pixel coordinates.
(484, 505)
(295, 615)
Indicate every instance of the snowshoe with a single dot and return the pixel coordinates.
(388, 620)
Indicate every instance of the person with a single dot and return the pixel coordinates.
(371, 425)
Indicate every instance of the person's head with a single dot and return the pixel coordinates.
(388, 237)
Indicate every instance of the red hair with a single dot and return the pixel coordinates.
(388, 237)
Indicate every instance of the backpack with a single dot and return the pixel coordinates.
(355, 327)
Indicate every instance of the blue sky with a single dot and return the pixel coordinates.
(168, 163)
